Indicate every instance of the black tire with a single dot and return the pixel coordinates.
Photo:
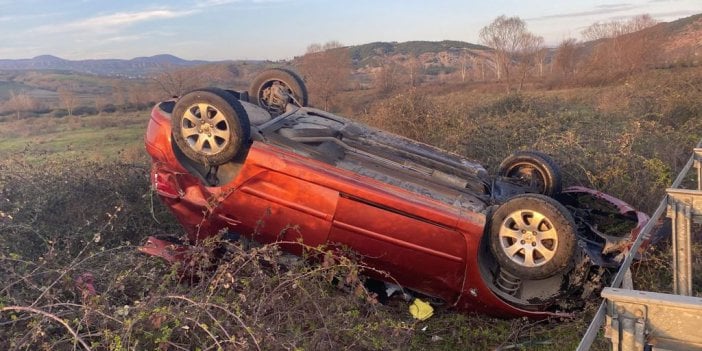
(218, 138)
(288, 80)
(532, 236)
(534, 169)
(238, 95)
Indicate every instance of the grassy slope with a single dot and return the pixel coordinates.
(593, 132)
(103, 137)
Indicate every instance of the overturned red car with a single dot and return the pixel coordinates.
(259, 163)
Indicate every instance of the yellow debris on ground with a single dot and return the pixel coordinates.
(421, 310)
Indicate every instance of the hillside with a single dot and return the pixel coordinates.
(677, 40)
(362, 54)
(680, 40)
(138, 66)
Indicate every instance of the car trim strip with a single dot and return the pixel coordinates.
(395, 241)
(286, 203)
(394, 210)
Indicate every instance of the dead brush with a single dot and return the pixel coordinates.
(252, 299)
(71, 277)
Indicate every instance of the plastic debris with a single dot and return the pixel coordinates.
(421, 310)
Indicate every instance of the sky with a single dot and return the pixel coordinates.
(282, 29)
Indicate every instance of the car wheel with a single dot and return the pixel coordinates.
(532, 236)
(534, 169)
(210, 126)
(273, 89)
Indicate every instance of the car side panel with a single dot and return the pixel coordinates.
(428, 256)
(272, 206)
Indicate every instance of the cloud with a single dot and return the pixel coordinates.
(598, 10)
(113, 21)
(210, 3)
(213, 3)
(675, 14)
(124, 38)
(17, 18)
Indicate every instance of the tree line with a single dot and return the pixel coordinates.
(118, 94)
(516, 57)
(608, 51)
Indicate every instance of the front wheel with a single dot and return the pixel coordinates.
(210, 126)
(532, 236)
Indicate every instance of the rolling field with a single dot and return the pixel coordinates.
(75, 199)
(105, 137)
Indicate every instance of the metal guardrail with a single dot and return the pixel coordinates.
(627, 332)
(639, 318)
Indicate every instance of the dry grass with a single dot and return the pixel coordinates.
(62, 219)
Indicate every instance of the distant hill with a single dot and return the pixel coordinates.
(678, 42)
(681, 40)
(135, 67)
(365, 52)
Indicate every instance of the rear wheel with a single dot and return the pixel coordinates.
(210, 126)
(275, 88)
(535, 170)
(532, 236)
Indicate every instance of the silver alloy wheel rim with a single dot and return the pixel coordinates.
(528, 238)
(205, 129)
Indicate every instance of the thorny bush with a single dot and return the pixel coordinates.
(631, 151)
(70, 276)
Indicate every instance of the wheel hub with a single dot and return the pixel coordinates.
(528, 238)
(206, 128)
(275, 96)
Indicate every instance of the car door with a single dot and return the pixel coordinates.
(418, 253)
(278, 207)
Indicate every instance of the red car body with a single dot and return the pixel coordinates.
(278, 195)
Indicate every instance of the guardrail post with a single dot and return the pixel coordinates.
(682, 206)
(637, 320)
(697, 156)
(625, 326)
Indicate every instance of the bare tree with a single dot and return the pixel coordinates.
(20, 102)
(176, 81)
(464, 59)
(566, 58)
(506, 35)
(141, 95)
(314, 48)
(414, 70)
(68, 99)
(333, 44)
(540, 59)
(613, 29)
(326, 72)
(317, 47)
(386, 77)
(101, 103)
(118, 93)
(621, 46)
(527, 54)
(482, 63)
